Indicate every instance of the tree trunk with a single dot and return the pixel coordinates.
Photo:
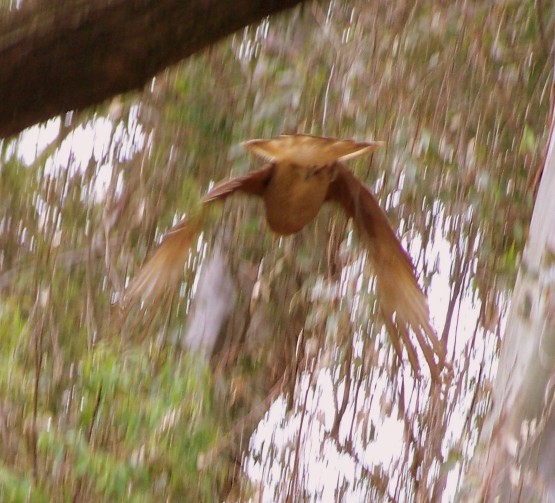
(516, 460)
(68, 55)
(213, 304)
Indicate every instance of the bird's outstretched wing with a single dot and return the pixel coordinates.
(402, 302)
(252, 183)
(164, 269)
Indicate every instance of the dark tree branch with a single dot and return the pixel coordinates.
(70, 54)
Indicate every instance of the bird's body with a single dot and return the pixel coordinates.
(294, 196)
(304, 172)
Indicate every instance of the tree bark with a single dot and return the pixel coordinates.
(516, 457)
(213, 304)
(68, 55)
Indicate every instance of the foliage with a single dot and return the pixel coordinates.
(125, 425)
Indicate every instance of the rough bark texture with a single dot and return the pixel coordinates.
(67, 55)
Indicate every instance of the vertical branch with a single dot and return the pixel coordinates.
(292, 492)
(38, 367)
(346, 393)
(95, 413)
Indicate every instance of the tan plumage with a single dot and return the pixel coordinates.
(398, 290)
(165, 267)
(304, 172)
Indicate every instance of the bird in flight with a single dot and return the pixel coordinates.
(302, 173)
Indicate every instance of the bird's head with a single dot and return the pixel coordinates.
(309, 150)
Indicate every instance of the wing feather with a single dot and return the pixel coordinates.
(402, 302)
(164, 269)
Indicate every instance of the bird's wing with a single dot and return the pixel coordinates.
(397, 287)
(164, 269)
(252, 183)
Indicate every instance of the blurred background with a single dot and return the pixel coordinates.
(270, 376)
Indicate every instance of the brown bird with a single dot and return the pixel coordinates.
(303, 172)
